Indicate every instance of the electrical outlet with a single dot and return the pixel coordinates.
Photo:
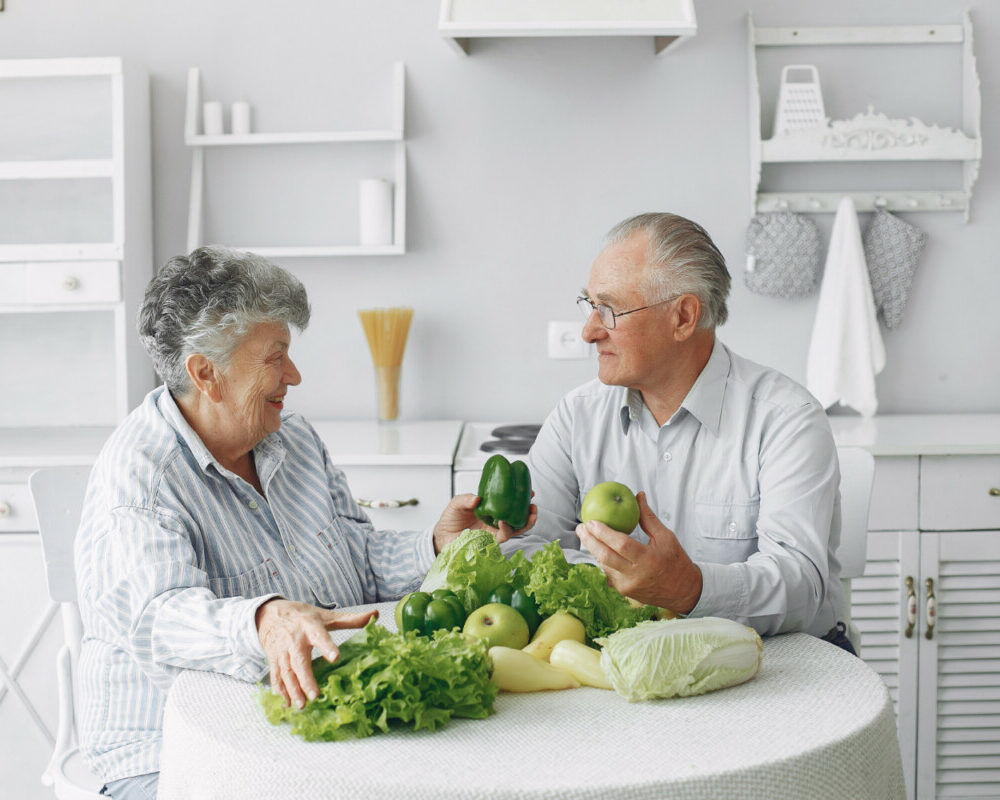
(565, 340)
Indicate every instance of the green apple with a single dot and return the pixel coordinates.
(613, 504)
(498, 625)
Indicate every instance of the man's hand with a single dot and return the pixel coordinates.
(659, 573)
(458, 515)
(288, 632)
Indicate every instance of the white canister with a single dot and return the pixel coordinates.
(212, 118)
(240, 117)
(375, 201)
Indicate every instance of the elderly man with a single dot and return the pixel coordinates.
(216, 533)
(734, 463)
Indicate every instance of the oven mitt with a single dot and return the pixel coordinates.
(783, 255)
(892, 248)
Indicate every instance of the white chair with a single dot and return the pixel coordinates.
(58, 493)
(857, 471)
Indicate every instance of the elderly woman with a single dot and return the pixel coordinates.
(216, 534)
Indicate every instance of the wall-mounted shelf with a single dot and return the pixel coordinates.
(667, 22)
(869, 136)
(200, 142)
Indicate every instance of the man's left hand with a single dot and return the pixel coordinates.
(459, 515)
(659, 573)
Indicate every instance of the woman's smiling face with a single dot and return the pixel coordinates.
(259, 374)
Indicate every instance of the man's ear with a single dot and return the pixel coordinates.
(687, 312)
(204, 376)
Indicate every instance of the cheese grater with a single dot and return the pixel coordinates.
(800, 101)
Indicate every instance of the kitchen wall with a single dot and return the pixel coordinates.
(520, 157)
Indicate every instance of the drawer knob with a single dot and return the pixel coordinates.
(387, 503)
(5, 509)
(994, 492)
(71, 283)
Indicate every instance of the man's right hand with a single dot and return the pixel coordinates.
(288, 632)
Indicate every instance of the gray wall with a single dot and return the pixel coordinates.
(520, 157)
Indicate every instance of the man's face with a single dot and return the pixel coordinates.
(637, 352)
(258, 377)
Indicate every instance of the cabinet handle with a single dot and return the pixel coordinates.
(931, 608)
(387, 503)
(911, 607)
(994, 492)
(71, 283)
(5, 509)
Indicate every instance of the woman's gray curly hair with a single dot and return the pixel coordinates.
(685, 260)
(206, 302)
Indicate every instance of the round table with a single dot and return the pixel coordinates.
(815, 722)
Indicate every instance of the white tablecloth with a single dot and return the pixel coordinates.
(816, 722)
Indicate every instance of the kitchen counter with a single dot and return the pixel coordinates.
(920, 434)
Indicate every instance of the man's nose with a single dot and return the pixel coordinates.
(593, 329)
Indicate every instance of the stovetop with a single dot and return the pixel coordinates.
(480, 440)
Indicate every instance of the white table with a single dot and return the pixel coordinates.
(815, 722)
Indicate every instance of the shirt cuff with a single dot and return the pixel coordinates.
(246, 636)
(724, 591)
(425, 554)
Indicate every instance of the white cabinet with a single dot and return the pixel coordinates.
(75, 242)
(202, 143)
(401, 472)
(928, 607)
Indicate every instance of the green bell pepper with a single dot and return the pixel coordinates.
(425, 612)
(504, 492)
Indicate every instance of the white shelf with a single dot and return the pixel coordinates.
(76, 251)
(667, 22)
(394, 135)
(868, 136)
(42, 447)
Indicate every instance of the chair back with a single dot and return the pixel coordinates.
(857, 472)
(58, 494)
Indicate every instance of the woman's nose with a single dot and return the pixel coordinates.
(292, 375)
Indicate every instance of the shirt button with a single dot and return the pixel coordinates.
(253, 504)
(667, 456)
(667, 516)
(291, 548)
(732, 526)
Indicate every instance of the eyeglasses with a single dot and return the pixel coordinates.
(607, 314)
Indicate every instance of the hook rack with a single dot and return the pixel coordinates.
(868, 136)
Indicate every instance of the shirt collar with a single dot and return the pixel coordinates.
(268, 453)
(705, 398)
(703, 401)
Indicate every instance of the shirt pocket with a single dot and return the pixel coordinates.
(261, 580)
(727, 532)
(341, 583)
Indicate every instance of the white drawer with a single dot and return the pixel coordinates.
(895, 493)
(72, 282)
(17, 512)
(429, 485)
(959, 493)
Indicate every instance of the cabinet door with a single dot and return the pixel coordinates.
(958, 736)
(880, 603)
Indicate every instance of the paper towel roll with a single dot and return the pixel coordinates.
(240, 117)
(212, 118)
(376, 211)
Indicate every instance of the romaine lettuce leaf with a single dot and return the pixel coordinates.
(384, 679)
(471, 565)
(582, 590)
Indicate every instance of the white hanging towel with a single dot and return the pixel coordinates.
(846, 351)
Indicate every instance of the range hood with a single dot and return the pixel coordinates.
(667, 22)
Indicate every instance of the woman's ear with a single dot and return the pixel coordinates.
(204, 376)
(687, 312)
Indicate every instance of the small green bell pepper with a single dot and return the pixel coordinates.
(504, 492)
(425, 612)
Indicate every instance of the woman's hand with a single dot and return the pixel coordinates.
(288, 632)
(458, 515)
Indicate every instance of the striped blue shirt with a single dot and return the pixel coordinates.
(175, 554)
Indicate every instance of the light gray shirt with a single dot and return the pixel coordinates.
(175, 553)
(745, 473)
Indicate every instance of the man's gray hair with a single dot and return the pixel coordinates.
(206, 302)
(684, 260)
